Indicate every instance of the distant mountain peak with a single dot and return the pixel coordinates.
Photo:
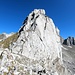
(69, 41)
(3, 36)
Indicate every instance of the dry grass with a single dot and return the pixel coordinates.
(5, 43)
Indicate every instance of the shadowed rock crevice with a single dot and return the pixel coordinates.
(25, 21)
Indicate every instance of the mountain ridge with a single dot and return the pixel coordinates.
(37, 49)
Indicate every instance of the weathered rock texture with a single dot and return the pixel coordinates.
(69, 41)
(61, 40)
(38, 38)
(37, 50)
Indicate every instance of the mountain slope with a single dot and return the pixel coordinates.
(6, 42)
(68, 54)
(37, 48)
(39, 40)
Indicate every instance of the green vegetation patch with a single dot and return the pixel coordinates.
(5, 43)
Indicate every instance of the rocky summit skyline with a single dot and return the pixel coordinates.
(62, 12)
(37, 49)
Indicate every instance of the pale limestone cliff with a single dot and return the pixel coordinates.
(37, 50)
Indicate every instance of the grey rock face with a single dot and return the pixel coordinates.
(68, 54)
(2, 36)
(61, 40)
(69, 41)
(39, 41)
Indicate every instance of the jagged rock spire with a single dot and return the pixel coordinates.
(69, 41)
(37, 50)
(38, 37)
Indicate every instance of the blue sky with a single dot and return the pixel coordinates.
(13, 12)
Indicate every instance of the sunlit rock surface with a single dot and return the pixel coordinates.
(37, 50)
(38, 38)
(3, 36)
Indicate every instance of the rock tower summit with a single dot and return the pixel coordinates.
(37, 49)
(38, 37)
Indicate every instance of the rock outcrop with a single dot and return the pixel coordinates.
(37, 50)
(39, 40)
(38, 37)
(69, 41)
(61, 40)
